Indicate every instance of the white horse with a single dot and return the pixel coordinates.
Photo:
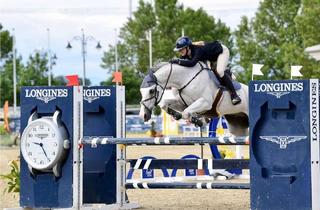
(196, 95)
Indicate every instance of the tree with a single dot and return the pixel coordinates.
(132, 82)
(166, 21)
(6, 67)
(271, 38)
(5, 43)
(59, 81)
(6, 80)
(35, 72)
(308, 23)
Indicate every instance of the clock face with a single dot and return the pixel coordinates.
(41, 144)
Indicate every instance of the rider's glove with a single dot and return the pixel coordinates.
(177, 61)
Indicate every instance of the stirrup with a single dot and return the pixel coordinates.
(235, 99)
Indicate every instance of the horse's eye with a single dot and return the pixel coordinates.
(151, 91)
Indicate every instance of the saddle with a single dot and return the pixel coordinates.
(216, 79)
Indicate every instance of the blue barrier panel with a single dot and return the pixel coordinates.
(42, 188)
(284, 157)
(99, 117)
(189, 172)
(214, 148)
(147, 173)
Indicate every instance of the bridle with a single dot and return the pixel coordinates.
(156, 95)
(156, 92)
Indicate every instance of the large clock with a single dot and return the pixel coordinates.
(44, 144)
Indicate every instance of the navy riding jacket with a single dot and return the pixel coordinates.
(208, 52)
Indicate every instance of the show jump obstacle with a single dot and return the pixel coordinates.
(60, 170)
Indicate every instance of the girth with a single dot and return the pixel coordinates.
(213, 111)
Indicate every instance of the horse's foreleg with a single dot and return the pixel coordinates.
(199, 106)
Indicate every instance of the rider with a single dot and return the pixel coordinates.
(190, 54)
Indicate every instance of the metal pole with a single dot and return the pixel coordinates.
(116, 49)
(0, 68)
(201, 144)
(150, 48)
(185, 185)
(182, 32)
(0, 46)
(50, 58)
(130, 9)
(227, 140)
(14, 73)
(83, 44)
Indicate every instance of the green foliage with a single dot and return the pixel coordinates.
(35, 72)
(272, 38)
(166, 19)
(5, 43)
(157, 110)
(132, 82)
(2, 130)
(6, 80)
(59, 81)
(12, 178)
(308, 23)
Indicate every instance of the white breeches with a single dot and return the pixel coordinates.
(223, 60)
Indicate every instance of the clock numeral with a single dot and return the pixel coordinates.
(53, 135)
(41, 162)
(41, 126)
(28, 145)
(53, 153)
(48, 129)
(34, 129)
(30, 153)
(30, 135)
(55, 144)
(35, 160)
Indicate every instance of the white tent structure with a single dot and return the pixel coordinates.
(314, 51)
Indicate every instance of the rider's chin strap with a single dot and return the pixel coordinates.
(181, 89)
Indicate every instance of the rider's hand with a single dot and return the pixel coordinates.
(177, 61)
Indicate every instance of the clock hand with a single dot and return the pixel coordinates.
(41, 145)
(37, 143)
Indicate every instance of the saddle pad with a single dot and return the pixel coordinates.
(213, 77)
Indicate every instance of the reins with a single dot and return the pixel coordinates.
(157, 100)
(183, 87)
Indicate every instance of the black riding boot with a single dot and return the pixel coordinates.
(226, 79)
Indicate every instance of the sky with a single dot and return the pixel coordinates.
(99, 18)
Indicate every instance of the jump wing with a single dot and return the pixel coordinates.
(274, 139)
(292, 139)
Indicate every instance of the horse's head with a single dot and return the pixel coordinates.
(151, 93)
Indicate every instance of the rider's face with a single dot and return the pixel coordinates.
(183, 52)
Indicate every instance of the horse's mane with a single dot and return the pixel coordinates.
(157, 66)
(150, 78)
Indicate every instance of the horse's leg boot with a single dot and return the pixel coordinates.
(196, 121)
(176, 115)
(235, 99)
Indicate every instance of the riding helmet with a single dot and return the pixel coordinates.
(182, 42)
